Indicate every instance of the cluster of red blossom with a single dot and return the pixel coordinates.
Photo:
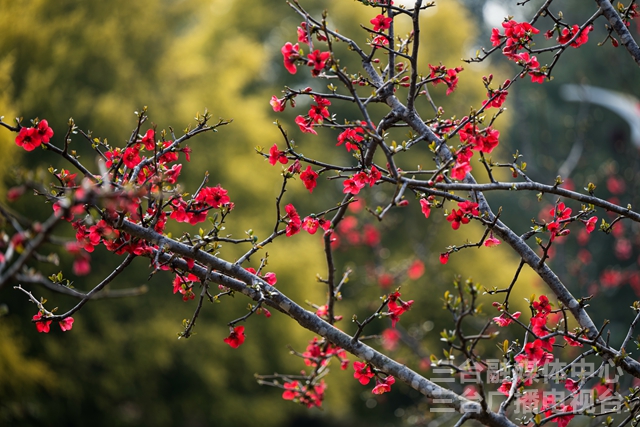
(44, 325)
(561, 217)
(31, 138)
(442, 74)
(364, 373)
(317, 354)
(537, 353)
(90, 233)
(519, 35)
(308, 395)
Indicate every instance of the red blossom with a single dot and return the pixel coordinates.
(362, 372)
(383, 386)
(496, 37)
(131, 157)
(28, 139)
(351, 137)
(590, 224)
(290, 52)
(270, 278)
(278, 104)
(319, 112)
(42, 325)
(317, 60)
(66, 324)
(504, 320)
(295, 223)
(213, 196)
(276, 156)
(571, 341)
(352, 186)
(310, 224)
(43, 131)
(542, 306)
(491, 242)
(236, 337)
(309, 177)
(397, 307)
(560, 212)
(374, 176)
(444, 258)
(381, 23)
(568, 33)
(305, 124)
(171, 175)
(572, 385)
(149, 140)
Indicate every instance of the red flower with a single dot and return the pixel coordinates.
(460, 170)
(444, 258)
(319, 112)
(504, 320)
(491, 242)
(571, 385)
(42, 326)
(149, 140)
(278, 104)
(374, 176)
(381, 23)
(571, 341)
(561, 212)
(352, 137)
(395, 309)
(291, 390)
(66, 324)
(317, 60)
(131, 157)
(113, 157)
(496, 38)
(309, 177)
(352, 186)
(567, 34)
(383, 386)
(456, 217)
(310, 225)
(590, 224)
(291, 52)
(171, 175)
(43, 131)
(28, 139)
(543, 307)
(295, 223)
(362, 372)
(276, 156)
(213, 196)
(236, 337)
(270, 278)
(426, 207)
(305, 125)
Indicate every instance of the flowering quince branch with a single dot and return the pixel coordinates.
(125, 207)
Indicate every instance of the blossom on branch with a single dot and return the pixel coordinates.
(236, 337)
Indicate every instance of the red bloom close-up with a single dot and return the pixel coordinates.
(309, 177)
(290, 52)
(236, 337)
(381, 23)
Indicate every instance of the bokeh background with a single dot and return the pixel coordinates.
(99, 61)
